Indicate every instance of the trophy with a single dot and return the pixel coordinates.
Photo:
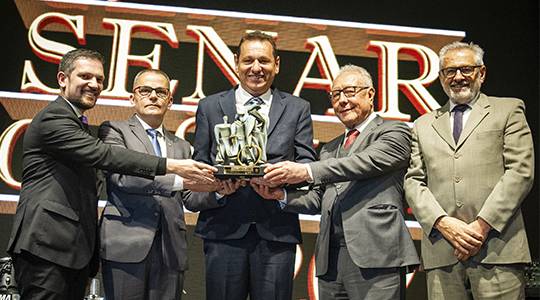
(241, 145)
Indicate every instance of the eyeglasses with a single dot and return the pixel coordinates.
(349, 92)
(145, 91)
(452, 71)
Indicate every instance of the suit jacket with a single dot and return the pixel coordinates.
(137, 207)
(290, 137)
(486, 174)
(368, 182)
(56, 216)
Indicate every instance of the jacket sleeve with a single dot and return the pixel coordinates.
(159, 185)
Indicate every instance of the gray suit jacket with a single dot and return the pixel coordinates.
(290, 137)
(136, 206)
(486, 174)
(369, 184)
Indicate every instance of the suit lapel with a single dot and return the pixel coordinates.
(276, 109)
(441, 124)
(227, 103)
(478, 113)
(362, 137)
(169, 141)
(139, 132)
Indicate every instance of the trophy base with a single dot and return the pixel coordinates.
(239, 172)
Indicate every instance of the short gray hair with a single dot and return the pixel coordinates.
(359, 70)
(478, 51)
(155, 71)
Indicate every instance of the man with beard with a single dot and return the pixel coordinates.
(471, 166)
(53, 240)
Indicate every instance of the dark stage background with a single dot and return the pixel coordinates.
(508, 31)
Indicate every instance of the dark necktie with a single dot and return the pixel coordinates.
(351, 137)
(154, 139)
(458, 120)
(84, 120)
(254, 101)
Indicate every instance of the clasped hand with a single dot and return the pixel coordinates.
(467, 239)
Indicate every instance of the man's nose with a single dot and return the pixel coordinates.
(256, 67)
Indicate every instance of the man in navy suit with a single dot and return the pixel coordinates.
(249, 243)
(53, 240)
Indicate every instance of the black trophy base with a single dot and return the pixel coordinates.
(239, 172)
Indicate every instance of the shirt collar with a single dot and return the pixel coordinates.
(470, 103)
(244, 96)
(360, 127)
(75, 109)
(146, 126)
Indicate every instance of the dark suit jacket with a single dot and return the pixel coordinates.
(137, 206)
(56, 216)
(290, 137)
(369, 184)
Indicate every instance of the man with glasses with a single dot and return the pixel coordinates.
(471, 166)
(363, 246)
(143, 232)
(53, 240)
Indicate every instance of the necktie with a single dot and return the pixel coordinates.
(458, 120)
(84, 120)
(154, 139)
(254, 101)
(351, 137)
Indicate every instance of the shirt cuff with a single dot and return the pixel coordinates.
(283, 202)
(310, 173)
(178, 183)
(220, 198)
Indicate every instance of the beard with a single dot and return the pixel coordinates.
(465, 93)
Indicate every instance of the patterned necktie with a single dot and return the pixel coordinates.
(351, 137)
(154, 139)
(458, 120)
(254, 101)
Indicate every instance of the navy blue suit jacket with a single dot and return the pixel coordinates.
(290, 137)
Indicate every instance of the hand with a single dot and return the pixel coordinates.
(230, 186)
(197, 187)
(268, 193)
(261, 181)
(482, 228)
(465, 240)
(286, 172)
(192, 170)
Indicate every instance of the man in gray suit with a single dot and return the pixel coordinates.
(363, 245)
(471, 166)
(143, 232)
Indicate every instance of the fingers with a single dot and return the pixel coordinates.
(203, 166)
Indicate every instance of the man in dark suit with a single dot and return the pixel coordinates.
(250, 243)
(53, 241)
(363, 245)
(143, 232)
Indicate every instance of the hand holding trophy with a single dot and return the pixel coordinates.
(241, 145)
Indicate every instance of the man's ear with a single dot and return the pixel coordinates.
(236, 63)
(132, 99)
(277, 64)
(61, 77)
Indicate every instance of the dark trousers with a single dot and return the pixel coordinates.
(149, 279)
(345, 280)
(41, 279)
(251, 265)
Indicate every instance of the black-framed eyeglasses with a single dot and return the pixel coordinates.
(349, 92)
(145, 91)
(464, 70)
